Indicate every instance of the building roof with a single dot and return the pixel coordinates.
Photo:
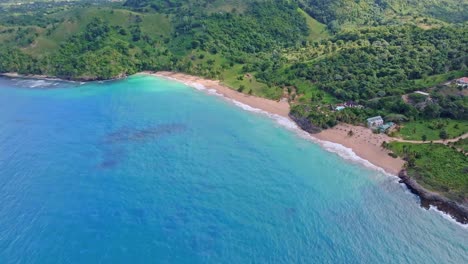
(463, 80)
(386, 126)
(340, 107)
(375, 118)
(422, 93)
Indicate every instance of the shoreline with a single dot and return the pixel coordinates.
(364, 143)
(30, 76)
(280, 108)
(55, 78)
(457, 211)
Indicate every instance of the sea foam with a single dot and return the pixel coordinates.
(448, 217)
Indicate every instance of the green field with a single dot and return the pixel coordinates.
(431, 128)
(437, 167)
(318, 31)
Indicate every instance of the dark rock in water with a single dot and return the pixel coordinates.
(112, 158)
(458, 211)
(305, 124)
(108, 164)
(126, 134)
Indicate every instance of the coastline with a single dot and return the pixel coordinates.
(457, 211)
(280, 108)
(364, 143)
(55, 78)
(30, 76)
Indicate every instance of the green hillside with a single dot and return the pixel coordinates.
(280, 44)
(338, 13)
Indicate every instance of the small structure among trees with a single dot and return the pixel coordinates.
(463, 82)
(375, 122)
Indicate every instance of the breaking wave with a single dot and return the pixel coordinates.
(342, 151)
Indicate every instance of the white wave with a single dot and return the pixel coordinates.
(34, 83)
(342, 151)
(38, 83)
(448, 217)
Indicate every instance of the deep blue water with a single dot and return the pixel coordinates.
(146, 170)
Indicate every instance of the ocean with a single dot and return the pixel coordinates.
(148, 170)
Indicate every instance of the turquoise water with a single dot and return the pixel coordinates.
(146, 170)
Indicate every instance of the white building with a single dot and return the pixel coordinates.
(375, 122)
(463, 82)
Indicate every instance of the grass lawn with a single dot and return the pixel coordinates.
(318, 31)
(437, 167)
(414, 130)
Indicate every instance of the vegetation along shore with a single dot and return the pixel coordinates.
(387, 80)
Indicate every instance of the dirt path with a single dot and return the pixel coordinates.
(441, 141)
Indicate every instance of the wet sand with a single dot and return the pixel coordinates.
(365, 144)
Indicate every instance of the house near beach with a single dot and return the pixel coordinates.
(385, 127)
(348, 104)
(422, 93)
(374, 122)
(463, 82)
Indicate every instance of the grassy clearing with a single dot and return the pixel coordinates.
(235, 79)
(310, 92)
(439, 78)
(227, 6)
(432, 128)
(156, 25)
(318, 31)
(437, 167)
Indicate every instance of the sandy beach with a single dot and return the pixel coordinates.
(364, 143)
(275, 107)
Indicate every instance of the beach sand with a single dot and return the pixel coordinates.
(275, 107)
(364, 143)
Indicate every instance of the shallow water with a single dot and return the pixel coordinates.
(149, 170)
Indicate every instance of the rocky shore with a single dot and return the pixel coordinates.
(458, 211)
(47, 77)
